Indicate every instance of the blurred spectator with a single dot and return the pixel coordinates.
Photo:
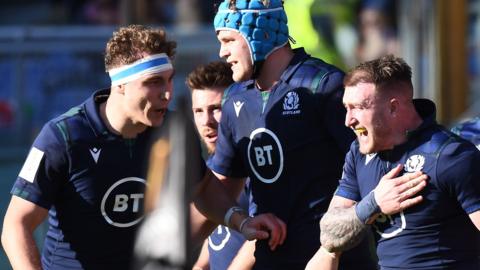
(6, 114)
(104, 12)
(470, 130)
(377, 29)
(317, 23)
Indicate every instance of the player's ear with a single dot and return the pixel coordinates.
(394, 106)
(120, 89)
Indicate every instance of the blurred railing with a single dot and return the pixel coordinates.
(46, 70)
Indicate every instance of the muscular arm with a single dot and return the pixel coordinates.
(341, 227)
(231, 188)
(213, 197)
(202, 262)
(21, 219)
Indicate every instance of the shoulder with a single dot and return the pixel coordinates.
(235, 89)
(320, 75)
(73, 124)
(453, 152)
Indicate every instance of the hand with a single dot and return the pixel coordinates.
(265, 226)
(394, 194)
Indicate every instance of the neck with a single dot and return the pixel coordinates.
(115, 119)
(274, 66)
(411, 121)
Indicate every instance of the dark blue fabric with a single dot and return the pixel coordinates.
(437, 233)
(292, 148)
(94, 206)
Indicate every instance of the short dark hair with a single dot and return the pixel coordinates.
(213, 74)
(386, 72)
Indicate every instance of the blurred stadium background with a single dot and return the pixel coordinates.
(51, 53)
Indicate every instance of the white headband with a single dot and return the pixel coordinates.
(151, 64)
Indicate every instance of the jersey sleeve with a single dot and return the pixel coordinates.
(334, 112)
(348, 186)
(226, 160)
(44, 170)
(458, 174)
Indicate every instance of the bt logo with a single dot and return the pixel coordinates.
(265, 155)
(260, 155)
(122, 204)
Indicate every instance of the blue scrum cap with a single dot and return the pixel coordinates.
(263, 24)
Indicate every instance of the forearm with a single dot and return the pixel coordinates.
(200, 227)
(202, 262)
(323, 260)
(213, 200)
(340, 229)
(20, 248)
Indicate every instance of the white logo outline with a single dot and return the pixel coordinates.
(237, 105)
(395, 232)
(95, 152)
(224, 241)
(291, 102)
(414, 163)
(104, 200)
(280, 151)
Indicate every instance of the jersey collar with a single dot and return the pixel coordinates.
(92, 110)
(427, 111)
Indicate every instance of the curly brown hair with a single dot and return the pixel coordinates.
(129, 43)
(213, 74)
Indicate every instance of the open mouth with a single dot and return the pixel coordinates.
(360, 131)
(210, 137)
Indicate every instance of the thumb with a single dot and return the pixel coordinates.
(251, 234)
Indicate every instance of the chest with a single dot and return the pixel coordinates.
(107, 176)
(280, 115)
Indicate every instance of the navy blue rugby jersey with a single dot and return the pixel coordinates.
(437, 233)
(291, 142)
(92, 181)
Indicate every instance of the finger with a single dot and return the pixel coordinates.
(393, 172)
(407, 177)
(257, 234)
(410, 202)
(413, 191)
(275, 235)
(277, 230)
(411, 181)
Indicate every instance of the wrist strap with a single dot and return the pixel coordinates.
(367, 207)
(244, 221)
(229, 214)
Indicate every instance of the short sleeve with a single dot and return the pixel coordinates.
(458, 174)
(348, 186)
(226, 160)
(44, 170)
(334, 112)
